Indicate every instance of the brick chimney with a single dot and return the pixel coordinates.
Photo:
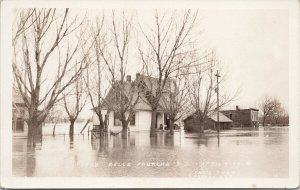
(237, 107)
(128, 78)
(137, 75)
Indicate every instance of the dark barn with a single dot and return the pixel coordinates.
(243, 117)
(192, 123)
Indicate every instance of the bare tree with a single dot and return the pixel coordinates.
(23, 21)
(202, 87)
(124, 94)
(284, 119)
(34, 30)
(168, 47)
(270, 107)
(278, 114)
(74, 103)
(55, 115)
(201, 90)
(175, 102)
(94, 78)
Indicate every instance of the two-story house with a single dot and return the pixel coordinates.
(243, 117)
(141, 121)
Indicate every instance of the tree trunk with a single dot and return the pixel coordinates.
(71, 142)
(101, 126)
(101, 129)
(172, 126)
(153, 123)
(32, 136)
(201, 126)
(53, 133)
(124, 133)
(71, 130)
(124, 128)
(105, 122)
(264, 119)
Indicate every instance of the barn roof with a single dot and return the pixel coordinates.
(214, 117)
(222, 118)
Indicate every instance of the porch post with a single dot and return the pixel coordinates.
(163, 120)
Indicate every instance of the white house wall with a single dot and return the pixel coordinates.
(142, 121)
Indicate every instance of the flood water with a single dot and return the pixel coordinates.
(255, 153)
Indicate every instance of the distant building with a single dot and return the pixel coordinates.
(141, 120)
(19, 115)
(192, 122)
(243, 117)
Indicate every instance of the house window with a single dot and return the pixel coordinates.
(117, 119)
(254, 116)
(230, 116)
(107, 119)
(20, 125)
(132, 120)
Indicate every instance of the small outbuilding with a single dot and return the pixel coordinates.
(192, 122)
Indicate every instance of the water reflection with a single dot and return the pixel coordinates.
(185, 154)
(100, 144)
(25, 158)
(169, 141)
(200, 139)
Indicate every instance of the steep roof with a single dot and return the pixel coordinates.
(214, 117)
(152, 83)
(134, 87)
(222, 118)
(143, 104)
(131, 90)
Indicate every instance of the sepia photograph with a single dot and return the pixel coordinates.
(149, 94)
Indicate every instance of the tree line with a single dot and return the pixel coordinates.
(273, 112)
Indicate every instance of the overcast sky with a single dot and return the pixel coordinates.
(253, 47)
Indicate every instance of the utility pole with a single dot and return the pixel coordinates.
(218, 108)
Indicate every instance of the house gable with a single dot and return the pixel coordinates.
(142, 87)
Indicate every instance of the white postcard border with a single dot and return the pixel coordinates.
(8, 181)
